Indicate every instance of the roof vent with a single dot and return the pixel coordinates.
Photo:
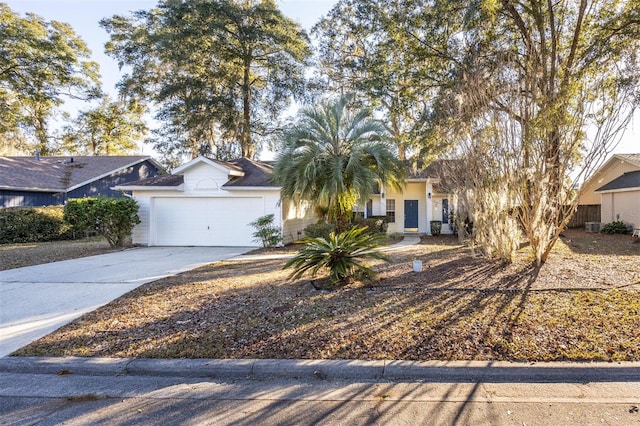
(37, 155)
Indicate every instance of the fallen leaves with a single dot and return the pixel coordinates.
(458, 308)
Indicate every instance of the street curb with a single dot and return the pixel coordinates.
(431, 371)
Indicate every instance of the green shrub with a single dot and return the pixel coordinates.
(33, 224)
(113, 218)
(374, 224)
(339, 254)
(266, 232)
(319, 230)
(616, 227)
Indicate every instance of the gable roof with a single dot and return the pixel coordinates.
(162, 181)
(228, 167)
(242, 173)
(628, 180)
(435, 170)
(256, 174)
(60, 174)
(632, 158)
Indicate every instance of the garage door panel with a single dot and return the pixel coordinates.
(205, 221)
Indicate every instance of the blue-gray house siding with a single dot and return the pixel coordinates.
(98, 187)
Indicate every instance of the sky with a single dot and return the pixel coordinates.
(83, 16)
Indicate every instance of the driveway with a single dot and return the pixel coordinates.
(36, 300)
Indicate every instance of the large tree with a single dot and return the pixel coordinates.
(333, 156)
(371, 48)
(220, 71)
(111, 128)
(41, 64)
(557, 82)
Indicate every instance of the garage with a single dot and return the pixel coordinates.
(204, 221)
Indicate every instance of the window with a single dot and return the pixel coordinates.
(445, 211)
(391, 210)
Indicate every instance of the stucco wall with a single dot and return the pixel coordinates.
(295, 219)
(624, 206)
(413, 191)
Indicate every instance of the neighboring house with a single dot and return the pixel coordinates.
(43, 181)
(621, 199)
(208, 202)
(421, 201)
(615, 188)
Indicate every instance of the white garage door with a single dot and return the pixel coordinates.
(205, 221)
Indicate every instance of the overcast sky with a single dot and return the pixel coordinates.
(83, 16)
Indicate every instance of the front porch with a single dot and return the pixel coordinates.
(412, 210)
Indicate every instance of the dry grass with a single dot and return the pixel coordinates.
(581, 305)
(29, 254)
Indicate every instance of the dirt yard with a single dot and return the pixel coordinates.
(582, 304)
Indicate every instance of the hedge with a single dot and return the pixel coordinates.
(34, 224)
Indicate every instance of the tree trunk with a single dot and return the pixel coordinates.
(248, 151)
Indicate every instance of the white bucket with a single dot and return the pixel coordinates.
(417, 266)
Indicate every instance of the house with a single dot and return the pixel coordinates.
(420, 202)
(207, 202)
(615, 188)
(621, 199)
(43, 181)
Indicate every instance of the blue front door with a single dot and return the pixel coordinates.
(411, 215)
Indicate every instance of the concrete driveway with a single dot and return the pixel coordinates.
(37, 300)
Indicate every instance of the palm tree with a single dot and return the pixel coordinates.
(333, 158)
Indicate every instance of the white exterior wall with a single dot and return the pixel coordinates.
(203, 178)
(621, 205)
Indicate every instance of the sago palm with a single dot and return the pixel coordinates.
(333, 158)
(340, 254)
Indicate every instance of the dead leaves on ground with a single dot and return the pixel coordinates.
(459, 307)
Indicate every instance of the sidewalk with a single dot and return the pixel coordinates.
(299, 392)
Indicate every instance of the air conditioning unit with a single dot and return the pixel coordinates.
(592, 226)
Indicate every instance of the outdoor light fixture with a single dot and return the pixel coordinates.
(429, 195)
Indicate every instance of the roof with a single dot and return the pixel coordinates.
(242, 172)
(632, 158)
(626, 181)
(434, 170)
(163, 180)
(230, 168)
(60, 174)
(256, 174)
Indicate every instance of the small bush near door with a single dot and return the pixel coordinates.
(319, 230)
(266, 232)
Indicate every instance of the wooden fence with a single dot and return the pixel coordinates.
(585, 213)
